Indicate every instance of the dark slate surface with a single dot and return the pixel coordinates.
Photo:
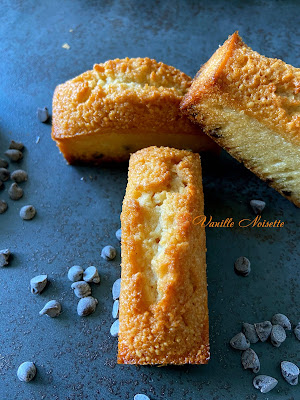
(76, 357)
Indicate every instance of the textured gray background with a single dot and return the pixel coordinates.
(76, 358)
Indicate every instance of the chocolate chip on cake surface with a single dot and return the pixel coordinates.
(19, 175)
(27, 212)
(14, 155)
(26, 371)
(250, 360)
(250, 332)
(264, 383)
(16, 145)
(15, 192)
(263, 330)
(3, 206)
(290, 372)
(278, 335)
(242, 266)
(257, 206)
(281, 319)
(75, 273)
(240, 342)
(4, 174)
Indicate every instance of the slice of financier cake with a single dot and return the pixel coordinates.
(163, 303)
(250, 105)
(122, 106)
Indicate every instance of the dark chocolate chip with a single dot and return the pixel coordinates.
(14, 155)
(278, 335)
(15, 192)
(19, 175)
(16, 145)
(4, 174)
(257, 206)
(242, 266)
(281, 319)
(297, 331)
(264, 383)
(263, 330)
(42, 114)
(290, 372)
(250, 332)
(3, 206)
(4, 257)
(250, 360)
(3, 163)
(239, 342)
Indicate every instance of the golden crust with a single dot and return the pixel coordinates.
(163, 302)
(136, 95)
(240, 92)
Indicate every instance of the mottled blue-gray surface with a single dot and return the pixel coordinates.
(78, 207)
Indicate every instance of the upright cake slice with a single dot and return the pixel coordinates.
(121, 106)
(163, 302)
(250, 105)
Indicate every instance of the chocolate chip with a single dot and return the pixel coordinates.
(4, 257)
(86, 306)
(75, 273)
(250, 360)
(38, 284)
(281, 319)
(116, 289)
(27, 212)
(264, 383)
(15, 192)
(16, 145)
(297, 331)
(140, 396)
(108, 253)
(91, 274)
(42, 114)
(115, 309)
(26, 371)
(81, 289)
(114, 329)
(3, 163)
(242, 266)
(4, 174)
(52, 309)
(263, 330)
(290, 372)
(278, 335)
(3, 206)
(257, 206)
(250, 332)
(118, 234)
(239, 342)
(14, 155)
(19, 175)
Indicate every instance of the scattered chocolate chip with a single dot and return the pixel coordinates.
(42, 114)
(81, 289)
(3, 206)
(27, 212)
(118, 234)
(86, 306)
(114, 329)
(250, 360)
(4, 174)
(290, 372)
(19, 175)
(15, 192)
(263, 330)
(91, 275)
(38, 284)
(108, 253)
(281, 319)
(278, 335)
(14, 155)
(16, 145)
(52, 309)
(264, 383)
(75, 273)
(297, 331)
(242, 266)
(239, 342)
(115, 309)
(140, 396)
(257, 206)
(3, 163)
(116, 289)
(4, 257)
(250, 332)
(26, 371)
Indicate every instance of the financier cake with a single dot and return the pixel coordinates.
(121, 106)
(250, 105)
(163, 303)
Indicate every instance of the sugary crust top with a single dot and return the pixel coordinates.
(122, 94)
(264, 88)
(163, 303)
